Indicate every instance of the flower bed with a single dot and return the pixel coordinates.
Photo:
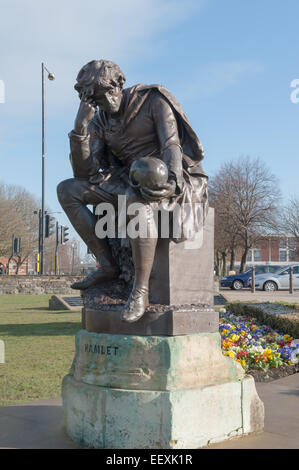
(288, 323)
(256, 346)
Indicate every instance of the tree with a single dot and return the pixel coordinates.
(246, 196)
(226, 231)
(68, 257)
(289, 222)
(8, 222)
(17, 206)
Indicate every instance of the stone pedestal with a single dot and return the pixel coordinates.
(161, 382)
(157, 392)
(157, 320)
(183, 273)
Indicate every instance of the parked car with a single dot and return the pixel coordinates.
(238, 281)
(278, 280)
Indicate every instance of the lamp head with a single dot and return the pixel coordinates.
(51, 76)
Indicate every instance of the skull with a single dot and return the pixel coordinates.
(149, 172)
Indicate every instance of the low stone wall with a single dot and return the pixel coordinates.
(37, 284)
(45, 284)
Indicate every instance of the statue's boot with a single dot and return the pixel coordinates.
(143, 251)
(136, 305)
(103, 273)
(108, 269)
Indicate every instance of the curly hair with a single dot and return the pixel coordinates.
(103, 73)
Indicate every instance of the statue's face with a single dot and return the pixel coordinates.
(108, 100)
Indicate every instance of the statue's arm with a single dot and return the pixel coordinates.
(86, 143)
(168, 136)
(87, 152)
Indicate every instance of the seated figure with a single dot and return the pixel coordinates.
(117, 130)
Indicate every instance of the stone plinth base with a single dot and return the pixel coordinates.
(157, 320)
(103, 417)
(157, 392)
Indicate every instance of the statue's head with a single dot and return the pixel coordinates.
(101, 80)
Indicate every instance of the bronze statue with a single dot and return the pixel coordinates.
(117, 130)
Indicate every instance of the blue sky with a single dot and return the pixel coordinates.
(229, 63)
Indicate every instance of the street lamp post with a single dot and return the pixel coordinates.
(42, 238)
(56, 249)
(73, 258)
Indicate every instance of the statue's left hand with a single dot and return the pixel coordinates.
(166, 190)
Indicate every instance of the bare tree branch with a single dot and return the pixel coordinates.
(246, 196)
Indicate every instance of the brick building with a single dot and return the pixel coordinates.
(274, 249)
(28, 267)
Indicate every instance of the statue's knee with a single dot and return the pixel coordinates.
(64, 190)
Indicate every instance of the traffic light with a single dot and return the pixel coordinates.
(49, 225)
(64, 234)
(16, 246)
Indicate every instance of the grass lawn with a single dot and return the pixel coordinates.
(39, 347)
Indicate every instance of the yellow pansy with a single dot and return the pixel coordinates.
(288, 337)
(234, 337)
(230, 354)
(268, 353)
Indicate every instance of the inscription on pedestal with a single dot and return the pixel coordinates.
(152, 362)
(102, 350)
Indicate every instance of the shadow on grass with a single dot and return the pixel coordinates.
(40, 329)
(42, 309)
(48, 310)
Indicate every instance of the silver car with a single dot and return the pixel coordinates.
(278, 280)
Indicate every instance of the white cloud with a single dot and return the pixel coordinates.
(213, 78)
(66, 34)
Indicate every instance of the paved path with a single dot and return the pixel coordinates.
(245, 295)
(38, 425)
(35, 425)
(281, 431)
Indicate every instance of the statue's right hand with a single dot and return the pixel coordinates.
(85, 114)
